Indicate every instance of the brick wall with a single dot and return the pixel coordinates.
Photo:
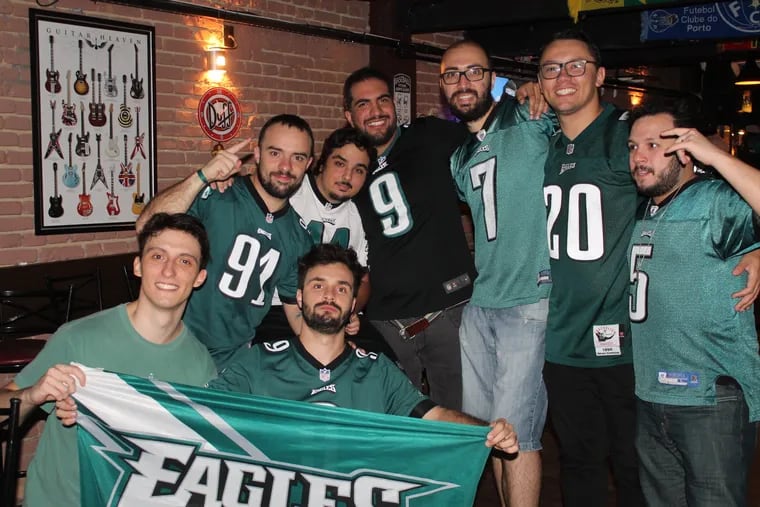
(271, 72)
(429, 100)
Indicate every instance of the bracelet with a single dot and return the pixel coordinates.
(202, 176)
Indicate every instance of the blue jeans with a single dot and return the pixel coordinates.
(502, 363)
(696, 456)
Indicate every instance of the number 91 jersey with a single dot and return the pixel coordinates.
(591, 205)
(252, 253)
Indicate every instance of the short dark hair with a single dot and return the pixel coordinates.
(358, 76)
(338, 139)
(292, 121)
(683, 111)
(579, 35)
(328, 253)
(175, 222)
(470, 42)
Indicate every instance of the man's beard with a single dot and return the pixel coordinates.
(480, 109)
(275, 190)
(325, 323)
(665, 182)
(381, 138)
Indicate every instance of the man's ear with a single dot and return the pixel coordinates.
(200, 278)
(256, 154)
(601, 72)
(299, 299)
(137, 266)
(350, 120)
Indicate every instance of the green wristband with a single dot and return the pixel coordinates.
(202, 176)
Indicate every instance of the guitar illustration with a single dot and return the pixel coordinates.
(112, 150)
(97, 109)
(84, 207)
(139, 138)
(80, 85)
(54, 144)
(126, 176)
(70, 176)
(136, 91)
(69, 115)
(83, 141)
(138, 198)
(98, 175)
(125, 115)
(113, 200)
(56, 199)
(52, 84)
(112, 90)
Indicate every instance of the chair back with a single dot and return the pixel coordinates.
(11, 431)
(77, 295)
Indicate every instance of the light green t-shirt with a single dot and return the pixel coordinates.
(103, 340)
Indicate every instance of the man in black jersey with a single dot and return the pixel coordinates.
(421, 269)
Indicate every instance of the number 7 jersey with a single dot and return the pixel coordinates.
(252, 253)
(591, 204)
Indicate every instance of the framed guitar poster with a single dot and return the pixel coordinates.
(93, 122)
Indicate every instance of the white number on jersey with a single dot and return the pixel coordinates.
(484, 175)
(244, 261)
(637, 305)
(277, 346)
(584, 201)
(389, 202)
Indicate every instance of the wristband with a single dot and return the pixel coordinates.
(202, 176)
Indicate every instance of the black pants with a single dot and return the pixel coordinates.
(593, 412)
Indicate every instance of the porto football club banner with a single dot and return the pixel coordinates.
(731, 19)
(148, 443)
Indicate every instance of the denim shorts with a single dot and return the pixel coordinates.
(502, 363)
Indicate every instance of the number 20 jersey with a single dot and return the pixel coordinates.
(411, 217)
(591, 204)
(250, 257)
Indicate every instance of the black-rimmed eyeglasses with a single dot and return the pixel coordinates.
(574, 68)
(451, 77)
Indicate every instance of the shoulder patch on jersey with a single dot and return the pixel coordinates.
(624, 116)
(276, 347)
(361, 354)
(206, 192)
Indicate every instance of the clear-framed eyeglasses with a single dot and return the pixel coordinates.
(472, 74)
(574, 68)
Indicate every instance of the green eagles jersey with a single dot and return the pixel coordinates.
(103, 340)
(591, 202)
(499, 173)
(355, 379)
(253, 252)
(687, 331)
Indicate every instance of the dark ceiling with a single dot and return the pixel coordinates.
(514, 30)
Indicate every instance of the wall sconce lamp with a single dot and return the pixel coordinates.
(635, 98)
(217, 56)
(749, 75)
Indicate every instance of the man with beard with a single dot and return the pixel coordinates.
(499, 173)
(421, 269)
(695, 357)
(320, 367)
(324, 202)
(256, 237)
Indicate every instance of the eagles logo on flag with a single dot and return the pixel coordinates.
(144, 442)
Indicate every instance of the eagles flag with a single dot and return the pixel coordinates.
(147, 443)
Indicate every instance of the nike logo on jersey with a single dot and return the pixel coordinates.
(264, 233)
(566, 167)
(330, 388)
